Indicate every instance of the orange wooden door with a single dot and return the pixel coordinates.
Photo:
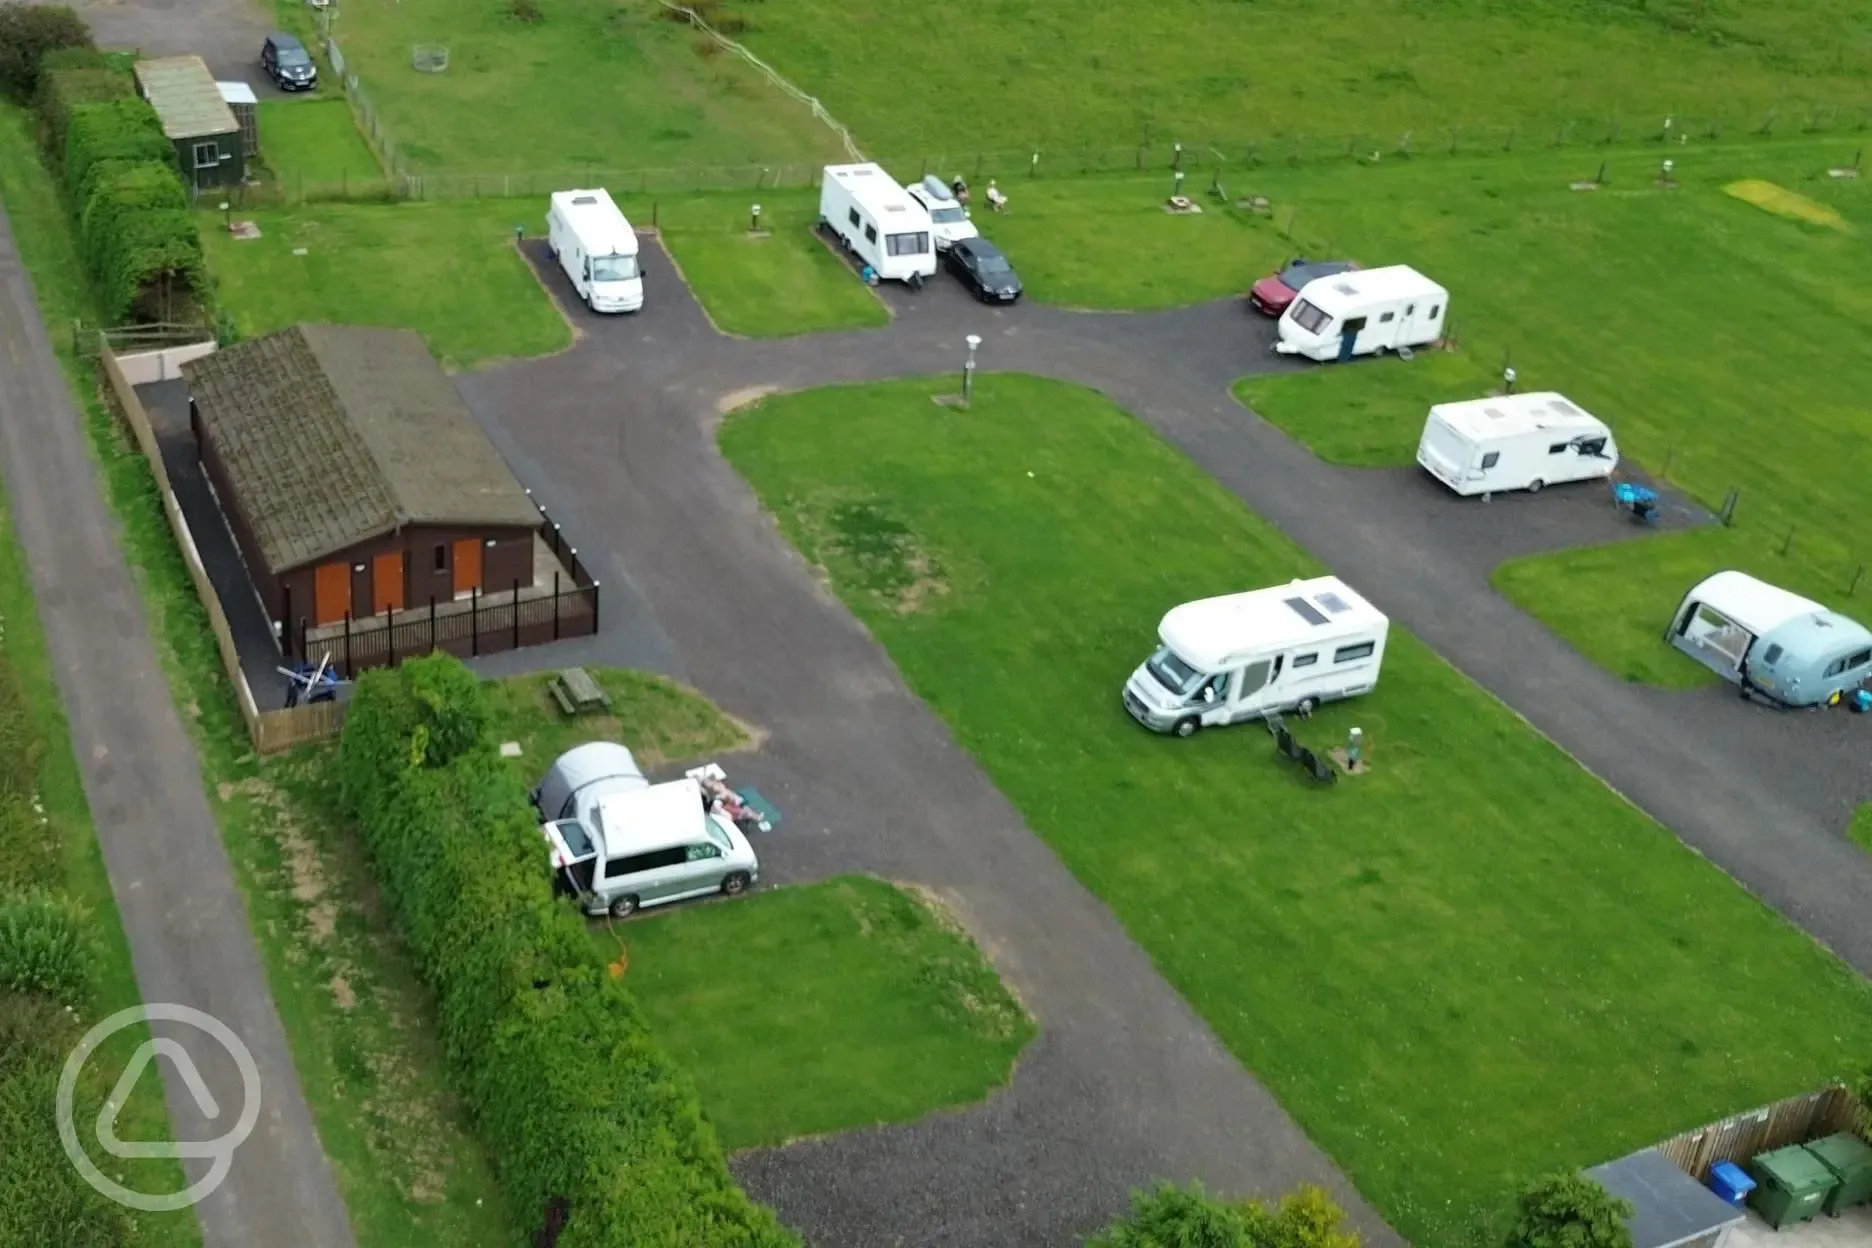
(387, 582)
(331, 593)
(467, 564)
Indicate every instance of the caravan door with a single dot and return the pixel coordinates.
(1349, 336)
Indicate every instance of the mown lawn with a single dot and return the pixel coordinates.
(1473, 965)
(311, 144)
(660, 721)
(448, 270)
(1722, 343)
(356, 1016)
(592, 84)
(1013, 73)
(820, 1008)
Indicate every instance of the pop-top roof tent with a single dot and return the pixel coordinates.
(661, 816)
(1510, 414)
(579, 768)
(1791, 647)
(1670, 1209)
(1208, 634)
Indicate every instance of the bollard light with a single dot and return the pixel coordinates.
(1508, 379)
(1176, 187)
(519, 234)
(968, 369)
(1668, 175)
(754, 220)
(227, 216)
(1355, 746)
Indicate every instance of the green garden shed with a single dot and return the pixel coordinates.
(210, 150)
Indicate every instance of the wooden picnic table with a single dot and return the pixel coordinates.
(576, 691)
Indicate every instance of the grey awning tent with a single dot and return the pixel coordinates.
(1672, 1210)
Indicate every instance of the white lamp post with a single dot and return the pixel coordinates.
(968, 369)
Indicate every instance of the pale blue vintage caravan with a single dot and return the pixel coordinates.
(1770, 642)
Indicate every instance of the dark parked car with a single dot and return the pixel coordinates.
(1273, 293)
(287, 63)
(984, 270)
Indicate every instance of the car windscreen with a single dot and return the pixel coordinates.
(948, 216)
(1308, 317)
(992, 264)
(1172, 672)
(718, 836)
(614, 268)
(293, 58)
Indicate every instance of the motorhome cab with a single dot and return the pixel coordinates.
(648, 847)
(949, 220)
(597, 248)
(1237, 657)
(878, 221)
(1362, 313)
(1515, 442)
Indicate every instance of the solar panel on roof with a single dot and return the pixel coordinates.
(1305, 610)
(1333, 603)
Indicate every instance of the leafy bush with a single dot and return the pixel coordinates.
(29, 847)
(39, 1188)
(1570, 1211)
(70, 78)
(46, 948)
(124, 129)
(1177, 1217)
(576, 1101)
(27, 33)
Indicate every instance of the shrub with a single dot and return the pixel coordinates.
(575, 1100)
(1175, 1217)
(125, 129)
(27, 33)
(1570, 1211)
(39, 1187)
(71, 78)
(150, 267)
(45, 948)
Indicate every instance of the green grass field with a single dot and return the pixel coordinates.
(594, 84)
(1013, 72)
(313, 142)
(819, 1008)
(448, 270)
(660, 721)
(1862, 828)
(1720, 342)
(1471, 966)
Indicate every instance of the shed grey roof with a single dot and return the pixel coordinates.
(1671, 1207)
(186, 97)
(331, 435)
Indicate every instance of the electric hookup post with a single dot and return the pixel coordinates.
(968, 369)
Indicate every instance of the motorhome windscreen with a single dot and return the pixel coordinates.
(947, 216)
(614, 268)
(916, 244)
(1172, 672)
(1308, 317)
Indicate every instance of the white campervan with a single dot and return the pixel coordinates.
(1237, 657)
(632, 847)
(949, 220)
(1515, 442)
(878, 221)
(597, 248)
(1363, 312)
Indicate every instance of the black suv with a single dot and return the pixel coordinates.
(287, 63)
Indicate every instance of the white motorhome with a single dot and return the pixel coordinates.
(879, 222)
(949, 220)
(632, 847)
(1515, 442)
(1363, 312)
(1238, 657)
(597, 248)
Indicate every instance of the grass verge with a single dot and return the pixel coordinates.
(1472, 966)
(1861, 831)
(661, 721)
(845, 1004)
(352, 1009)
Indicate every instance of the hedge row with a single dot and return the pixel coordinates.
(590, 1124)
(27, 33)
(1178, 1217)
(75, 76)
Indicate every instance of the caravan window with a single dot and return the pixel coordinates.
(637, 864)
(908, 244)
(870, 233)
(1436, 310)
(1843, 665)
(853, 216)
(1772, 656)
(1558, 448)
(1346, 654)
(1490, 460)
(1305, 660)
(1308, 317)
(1386, 318)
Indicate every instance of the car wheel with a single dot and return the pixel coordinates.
(1305, 707)
(1187, 727)
(735, 884)
(624, 907)
(916, 281)
(1534, 486)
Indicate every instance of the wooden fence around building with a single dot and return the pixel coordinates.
(1795, 1120)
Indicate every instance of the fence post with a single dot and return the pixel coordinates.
(432, 623)
(594, 608)
(302, 639)
(516, 613)
(350, 672)
(555, 606)
(390, 631)
(474, 622)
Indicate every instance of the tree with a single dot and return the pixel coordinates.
(1570, 1211)
(27, 33)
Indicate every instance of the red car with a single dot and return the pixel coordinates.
(1273, 293)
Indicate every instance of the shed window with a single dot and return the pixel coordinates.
(1490, 460)
(1346, 654)
(441, 557)
(207, 155)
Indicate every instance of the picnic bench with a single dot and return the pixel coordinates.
(576, 692)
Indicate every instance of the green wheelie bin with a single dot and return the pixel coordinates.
(1850, 1160)
(1791, 1185)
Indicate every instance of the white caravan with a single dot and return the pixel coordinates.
(1363, 312)
(597, 248)
(949, 220)
(1515, 442)
(1240, 656)
(878, 221)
